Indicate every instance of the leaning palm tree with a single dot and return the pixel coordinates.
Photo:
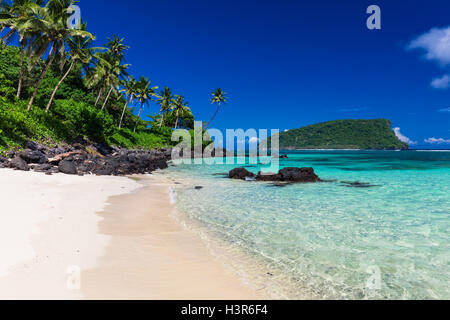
(80, 52)
(165, 101)
(51, 23)
(12, 17)
(219, 97)
(114, 73)
(95, 74)
(180, 108)
(130, 90)
(144, 95)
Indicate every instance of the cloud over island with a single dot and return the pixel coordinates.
(403, 138)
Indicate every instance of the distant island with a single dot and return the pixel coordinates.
(343, 134)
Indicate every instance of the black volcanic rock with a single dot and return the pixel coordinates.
(67, 167)
(31, 145)
(299, 175)
(289, 175)
(43, 167)
(31, 156)
(81, 159)
(240, 173)
(19, 164)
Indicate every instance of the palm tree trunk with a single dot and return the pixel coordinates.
(176, 123)
(47, 66)
(123, 112)
(58, 85)
(22, 53)
(162, 120)
(215, 114)
(107, 97)
(100, 93)
(139, 115)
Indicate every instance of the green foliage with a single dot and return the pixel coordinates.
(185, 121)
(84, 120)
(343, 134)
(126, 138)
(17, 125)
(72, 115)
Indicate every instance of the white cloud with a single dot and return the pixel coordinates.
(437, 140)
(444, 110)
(435, 43)
(441, 83)
(403, 138)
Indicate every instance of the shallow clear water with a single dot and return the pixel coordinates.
(388, 239)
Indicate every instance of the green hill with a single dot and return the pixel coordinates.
(343, 134)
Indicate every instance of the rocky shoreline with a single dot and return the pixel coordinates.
(78, 159)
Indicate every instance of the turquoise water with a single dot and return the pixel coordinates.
(387, 238)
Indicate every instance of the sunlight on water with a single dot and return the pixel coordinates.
(386, 237)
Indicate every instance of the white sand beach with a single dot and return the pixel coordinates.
(72, 237)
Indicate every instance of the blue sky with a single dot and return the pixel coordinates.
(290, 63)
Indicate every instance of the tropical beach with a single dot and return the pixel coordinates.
(143, 255)
(206, 150)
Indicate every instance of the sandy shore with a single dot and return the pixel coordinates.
(70, 237)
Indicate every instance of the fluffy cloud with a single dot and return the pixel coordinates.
(444, 110)
(403, 138)
(435, 43)
(441, 83)
(437, 140)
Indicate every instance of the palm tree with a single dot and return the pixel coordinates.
(115, 71)
(165, 102)
(145, 95)
(51, 23)
(116, 47)
(180, 108)
(11, 17)
(80, 51)
(130, 90)
(219, 97)
(95, 74)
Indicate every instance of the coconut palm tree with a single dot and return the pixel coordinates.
(130, 90)
(115, 72)
(11, 17)
(95, 74)
(51, 23)
(165, 101)
(219, 97)
(144, 95)
(180, 108)
(81, 52)
(116, 47)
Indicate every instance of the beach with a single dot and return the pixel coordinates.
(73, 237)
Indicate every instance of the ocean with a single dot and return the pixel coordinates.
(378, 228)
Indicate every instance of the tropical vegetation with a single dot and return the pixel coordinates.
(57, 86)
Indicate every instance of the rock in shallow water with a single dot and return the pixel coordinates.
(284, 175)
(240, 173)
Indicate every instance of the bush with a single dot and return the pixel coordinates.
(82, 119)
